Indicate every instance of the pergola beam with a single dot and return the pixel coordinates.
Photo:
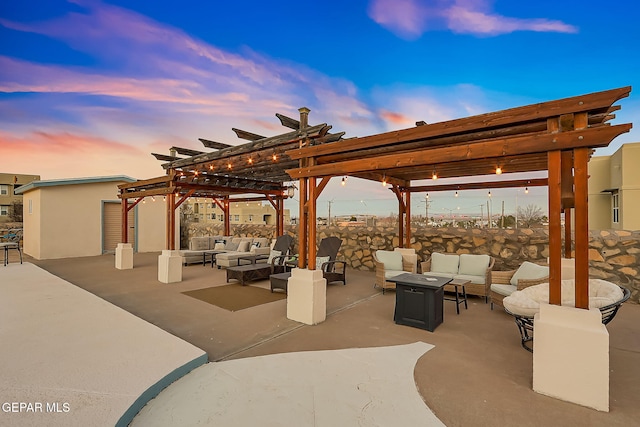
(488, 149)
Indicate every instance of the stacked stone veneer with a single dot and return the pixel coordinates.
(614, 255)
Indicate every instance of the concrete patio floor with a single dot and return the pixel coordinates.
(477, 374)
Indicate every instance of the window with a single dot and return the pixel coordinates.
(4, 210)
(236, 218)
(4, 190)
(250, 218)
(30, 206)
(213, 216)
(615, 201)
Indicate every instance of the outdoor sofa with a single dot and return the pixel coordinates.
(474, 268)
(230, 248)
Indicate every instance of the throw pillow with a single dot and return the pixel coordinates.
(219, 246)
(392, 260)
(443, 263)
(272, 255)
(231, 246)
(529, 270)
(255, 244)
(244, 246)
(321, 260)
(474, 265)
(199, 244)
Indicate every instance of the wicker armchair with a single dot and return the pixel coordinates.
(409, 265)
(504, 278)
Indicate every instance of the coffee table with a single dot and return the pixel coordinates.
(244, 273)
(460, 297)
(419, 300)
(252, 258)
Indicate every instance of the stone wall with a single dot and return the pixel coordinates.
(614, 255)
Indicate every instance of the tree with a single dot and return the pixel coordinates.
(530, 215)
(15, 212)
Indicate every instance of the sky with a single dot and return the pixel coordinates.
(91, 88)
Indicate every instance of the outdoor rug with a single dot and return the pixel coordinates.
(235, 297)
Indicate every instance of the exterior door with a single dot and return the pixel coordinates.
(112, 226)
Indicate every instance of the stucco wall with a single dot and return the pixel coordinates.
(67, 220)
(614, 254)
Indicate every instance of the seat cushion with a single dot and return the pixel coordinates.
(388, 274)
(505, 290)
(392, 260)
(529, 270)
(527, 301)
(244, 246)
(478, 280)
(321, 260)
(273, 254)
(445, 263)
(474, 265)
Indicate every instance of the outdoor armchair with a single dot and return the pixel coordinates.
(389, 264)
(504, 283)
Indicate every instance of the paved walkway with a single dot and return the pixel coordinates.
(70, 358)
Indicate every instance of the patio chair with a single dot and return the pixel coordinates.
(332, 269)
(393, 263)
(13, 235)
(281, 253)
(523, 305)
(504, 283)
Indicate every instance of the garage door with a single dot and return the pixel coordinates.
(112, 225)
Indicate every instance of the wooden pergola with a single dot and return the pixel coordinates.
(254, 171)
(557, 136)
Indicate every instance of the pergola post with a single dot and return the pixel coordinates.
(227, 220)
(124, 250)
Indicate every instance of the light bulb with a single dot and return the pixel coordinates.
(498, 170)
(456, 194)
(526, 190)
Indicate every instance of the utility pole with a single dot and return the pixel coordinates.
(426, 202)
(329, 220)
(481, 214)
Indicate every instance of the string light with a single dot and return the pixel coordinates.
(274, 157)
(211, 167)
(153, 199)
(456, 194)
(384, 180)
(498, 170)
(434, 176)
(489, 193)
(526, 190)
(344, 181)
(250, 160)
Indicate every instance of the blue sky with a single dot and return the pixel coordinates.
(91, 88)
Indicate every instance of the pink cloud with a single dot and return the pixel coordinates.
(409, 19)
(63, 155)
(396, 118)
